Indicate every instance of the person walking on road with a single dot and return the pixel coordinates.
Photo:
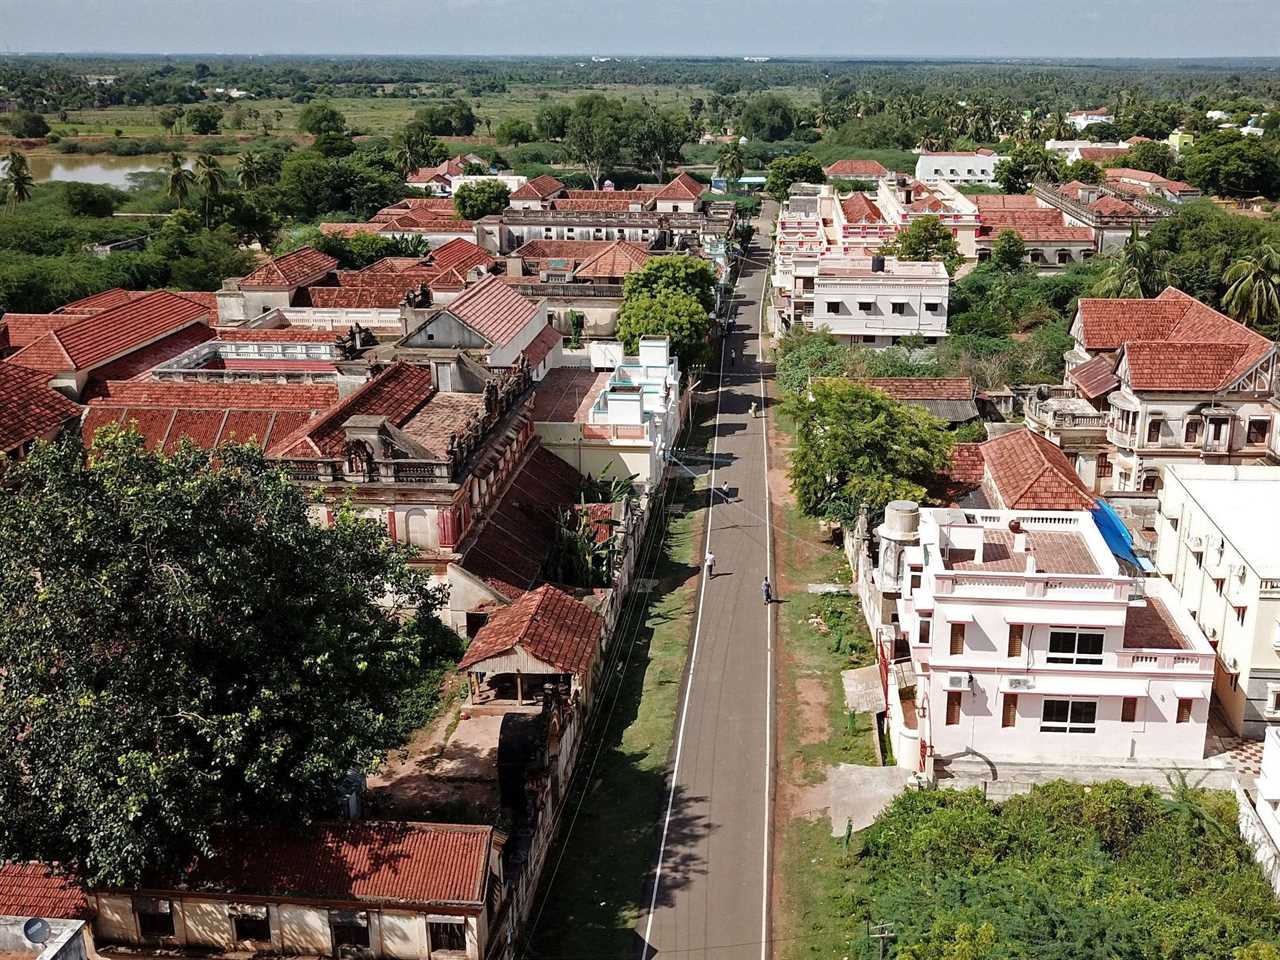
(711, 565)
(724, 491)
(733, 357)
(753, 409)
(766, 590)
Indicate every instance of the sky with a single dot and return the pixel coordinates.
(815, 28)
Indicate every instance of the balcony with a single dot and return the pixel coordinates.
(1069, 416)
(1121, 436)
(1181, 661)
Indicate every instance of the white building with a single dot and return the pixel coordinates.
(1216, 541)
(1025, 642)
(1082, 118)
(978, 166)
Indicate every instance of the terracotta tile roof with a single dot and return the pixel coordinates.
(1072, 188)
(967, 463)
(856, 169)
(509, 551)
(396, 393)
(410, 224)
(616, 259)
(924, 388)
(393, 265)
(1095, 377)
(546, 341)
(548, 624)
(1114, 207)
(1064, 552)
(859, 208)
(441, 416)
(354, 860)
(18, 330)
(214, 395)
(1029, 472)
(574, 251)
(494, 310)
(349, 229)
(100, 337)
(1101, 154)
(595, 204)
(106, 300)
(1152, 627)
(1169, 365)
(40, 890)
(1108, 324)
(453, 167)
(29, 407)
(206, 298)
(291, 270)
(140, 361)
(1010, 201)
(364, 297)
(566, 394)
(682, 188)
(539, 188)
(462, 255)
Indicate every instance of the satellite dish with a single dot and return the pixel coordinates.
(36, 930)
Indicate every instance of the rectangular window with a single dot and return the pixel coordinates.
(932, 307)
(1192, 432)
(953, 708)
(1219, 427)
(957, 639)
(1104, 465)
(926, 625)
(448, 936)
(1184, 710)
(155, 917)
(866, 306)
(1153, 431)
(1009, 710)
(1015, 639)
(1149, 483)
(1257, 431)
(898, 309)
(1075, 646)
(1240, 613)
(350, 930)
(1128, 709)
(833, 306)
(251, 923)
(869, 338)
(1219, 583)
(1069, 716)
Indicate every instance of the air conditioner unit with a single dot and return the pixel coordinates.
(1021, 683)
(958, 681)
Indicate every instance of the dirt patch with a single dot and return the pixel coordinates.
(813, 701)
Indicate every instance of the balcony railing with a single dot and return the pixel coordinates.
(1182, 661)
(1042, 412)
(380, 471)
(1120, 436)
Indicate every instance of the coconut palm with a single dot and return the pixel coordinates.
(211, 179)
(1253, 296)
(729, 163)
(249, 170)
(179, 181)
(1135, 270)
(1057, 126)
(18, 180)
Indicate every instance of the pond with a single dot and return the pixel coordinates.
(99, 168)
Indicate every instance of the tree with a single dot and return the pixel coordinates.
(1231, 165)
(91, 199)
(169, 118)
(179, 181)
(211, 179)
(666, 313)
(1026, 163)
(18, 181)
(767, 116)
(677, 273)
(729, 164)
(415, 147)
(926, 239)
(481, 198)
(593, 136)
(319, 118)
(657, 137)
(204, 120)
(856, 448)
(806, 354)
(452, 118)
(249, 170)
(26, 125)
(169, 681)
(552, 121)
(1083, 171)
(512, 132)
(1136, 270)
(1151, 155)
(1253, 296)
(1008, 252)
(784, 171)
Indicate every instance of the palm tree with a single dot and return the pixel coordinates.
(18, 179)
(249, 170)
(729, 164)
(1135, 270)
(180, 180)
(1058, 128)
(1254, 295)
(211, 179)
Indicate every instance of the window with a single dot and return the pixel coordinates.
(833, 306)
(953, 708)
(1191, 433)
(926, 626)
(350, 930)
(898, 309)
(1257, 431)
(251, 922)
(1149, 483)
(1069, 716)
(155, 917)
(1128, 709)
(1153, 431)
(1009, 710)
(1219, 583)
(1037, 256)
(868, 338)
(1064, 256)
(957, 639)
(1074, 646)
(1240, 614)
(1015, 639)
(1173, 524)
(866, 306)
(1219, 426)
(1184, 710)
(932, 307)
(1104, 465)
(1272, 708)
(447, 936)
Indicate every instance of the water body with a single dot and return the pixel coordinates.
(100, 168)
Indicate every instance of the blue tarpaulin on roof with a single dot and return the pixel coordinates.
(1117, 536)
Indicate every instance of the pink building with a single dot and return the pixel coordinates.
(1016, 636)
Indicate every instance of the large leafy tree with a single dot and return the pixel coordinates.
(678, 273)
(593, 136)
(657, 137)
(666, 313)
(1026, 163)
(856, 448)
(1137, 269)
(729, 163)
(481, 199)
(183, 650)
(926, 239)
(1008, 251)
(1231, 165)
(784, 171)
(1254, 295)
(320, 118)
(767, 116)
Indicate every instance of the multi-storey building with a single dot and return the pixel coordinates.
(1083, 118)
(1109, 212)
(965, 166)
(1215, 541)
(1051, 241)
(1013, 635)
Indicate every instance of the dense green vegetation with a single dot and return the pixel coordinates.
(1108, 871)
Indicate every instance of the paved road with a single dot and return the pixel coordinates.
(710, 901)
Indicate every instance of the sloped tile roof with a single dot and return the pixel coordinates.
(605, 203)
(1152, 627)
(869, 169)
(273, 335)
(152, 355)
(617, 259)
(364, 297)
(546, 623)
(40, 890)
(859, 208)
(18, 330)
(441, 416)
(1108, 324)
(291, 270)
(462, 255)
(29, 407)
(354, 860)
(1114, 207)
(924, 388)
(967, 463)
(1095, 377)
(1169, 365)
(541, 345)
(683, 187)
(105, 300)
(494, 310)
(539, 188)
(566, 394)
(1029, 472)
(213, 395)
(1101, 154)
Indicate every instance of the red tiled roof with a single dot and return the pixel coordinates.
(354, 860)
(453, 167)
(924, 388)
(1095, 377)
(859, 208)
(605, 203)
(18, 330)
(363, 297)
(856, 169)
(1101, 154)
(214, 395)
(1169, 365)
(1152, 627)
(565, 394)
(539, 188)
(29, 407)
(152, 355)
(112, 333)
(1011, 201)
(1114, 207)
(396, 393)
(547, 624)
(291, 270)
(967, 463)
(546, 341)
(683, 187)
(462, 255)
(39, 890)
(494, 310)
(616, 259)
(349, 229)
(1029, 472)
(106, 300)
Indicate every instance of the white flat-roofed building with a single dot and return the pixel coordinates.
(1216, 542)
(971, 166)
(1027, 642)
